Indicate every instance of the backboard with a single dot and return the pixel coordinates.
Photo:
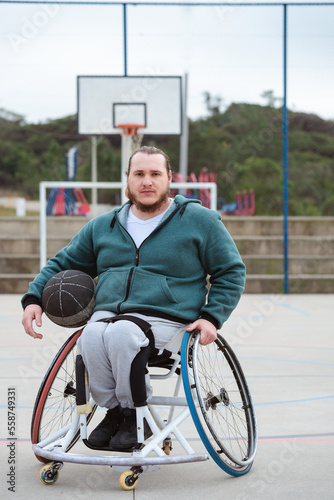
(104, 102)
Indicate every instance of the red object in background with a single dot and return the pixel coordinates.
(244, 205)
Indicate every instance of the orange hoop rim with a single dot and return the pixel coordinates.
(130, 128)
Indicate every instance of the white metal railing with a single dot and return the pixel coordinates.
(43, 186)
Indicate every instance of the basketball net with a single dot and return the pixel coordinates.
(132, 135)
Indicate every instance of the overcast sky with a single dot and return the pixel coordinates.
(230, 51)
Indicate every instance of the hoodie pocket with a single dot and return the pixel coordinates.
(149, 289)
(111, 287)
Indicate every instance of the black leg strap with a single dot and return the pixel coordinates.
(139, 364)
(80, 393)
(143, 325)
(137, 377)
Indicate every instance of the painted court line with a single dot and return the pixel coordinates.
(294, 401)
(290, 307)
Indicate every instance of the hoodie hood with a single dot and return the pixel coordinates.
(180, 203)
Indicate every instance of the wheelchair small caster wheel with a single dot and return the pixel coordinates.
(128, 480)
(48, 474)
(167, 446)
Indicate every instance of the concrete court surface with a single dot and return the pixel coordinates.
(285, 344)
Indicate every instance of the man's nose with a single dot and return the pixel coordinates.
(147, 180)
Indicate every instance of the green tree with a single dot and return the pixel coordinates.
(212, 103)
(265, 177)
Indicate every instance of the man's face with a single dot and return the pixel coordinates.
(148, 182)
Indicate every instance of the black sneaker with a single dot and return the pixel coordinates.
(126, 437)
(109, 426)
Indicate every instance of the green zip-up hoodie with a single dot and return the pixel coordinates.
(166, 276)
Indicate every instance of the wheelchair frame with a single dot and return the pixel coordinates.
(216, 396)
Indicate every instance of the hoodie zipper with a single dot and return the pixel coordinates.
(182, 209)
(129, 277)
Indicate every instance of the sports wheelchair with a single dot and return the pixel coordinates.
(216, 396)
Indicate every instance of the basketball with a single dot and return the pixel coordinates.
(68, 298)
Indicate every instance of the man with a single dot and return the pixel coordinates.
(152, 257)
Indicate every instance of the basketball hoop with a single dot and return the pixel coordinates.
(134, 132)
(132, 135)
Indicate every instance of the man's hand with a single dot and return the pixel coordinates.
(33, 312)
(208, 332)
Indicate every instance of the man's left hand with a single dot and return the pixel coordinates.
(208, 332)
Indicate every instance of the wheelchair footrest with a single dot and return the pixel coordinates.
(117, 460)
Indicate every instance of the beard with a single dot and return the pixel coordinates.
(149, 207)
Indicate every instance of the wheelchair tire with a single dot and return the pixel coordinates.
(220, 403)
(55, 402)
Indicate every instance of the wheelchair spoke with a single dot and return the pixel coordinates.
(221, 405)
(55, 403)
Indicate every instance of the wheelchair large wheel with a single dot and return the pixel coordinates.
(55, 402)
(220, 403)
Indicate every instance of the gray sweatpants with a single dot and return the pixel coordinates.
(108, 350)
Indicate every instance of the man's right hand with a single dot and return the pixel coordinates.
(33, 312)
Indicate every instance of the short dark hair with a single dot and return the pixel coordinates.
(151, 150)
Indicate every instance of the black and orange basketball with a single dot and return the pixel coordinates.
(68, 298)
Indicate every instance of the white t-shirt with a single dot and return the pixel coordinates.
(140, 229)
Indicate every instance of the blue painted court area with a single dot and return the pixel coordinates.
(285, 345)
